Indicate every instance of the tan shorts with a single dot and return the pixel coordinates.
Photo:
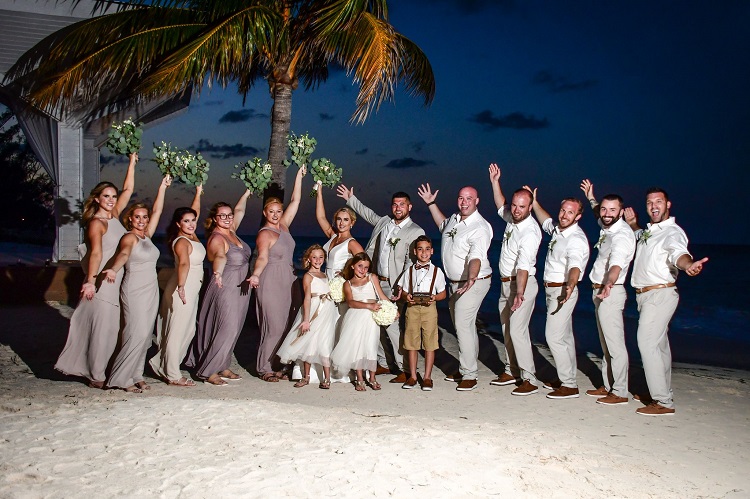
(421, 332)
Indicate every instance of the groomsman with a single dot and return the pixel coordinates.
(567, 256)
(466, 238)
(616, 245)
(518, 286)
(660, 254)
(391, 249)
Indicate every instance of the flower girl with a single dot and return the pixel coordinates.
(311, 337)
(358, 346)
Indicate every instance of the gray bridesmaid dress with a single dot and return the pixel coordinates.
(222, 314)
(274, 299)
(92, 336)
(139, 296)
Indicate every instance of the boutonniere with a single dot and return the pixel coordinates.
(644, 236)
(601, 240)
(392, 242)
(552, 245)
(452, 233)
(506, 236)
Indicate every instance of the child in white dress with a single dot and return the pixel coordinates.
(311, 337)
(358, 346)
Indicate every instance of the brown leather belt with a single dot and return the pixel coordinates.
(477, 279)
(655, 286)
(554, 284)
(508, 279)
(380, 277)
(600, 286)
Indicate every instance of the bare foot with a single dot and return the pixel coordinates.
(133, 389)
(183, 382)
(216, 380)
(229, 375)
(96, 384)
(143, 385)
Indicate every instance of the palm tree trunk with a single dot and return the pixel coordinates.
(281, 117)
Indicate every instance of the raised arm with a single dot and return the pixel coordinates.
(632, 219)
(588, 190)
(196, 206)
(128, 186)
(355, 204)
(539, 212)
(497, 191)
(291, 210)
(158, 208)
(239, 209)
(425, 192)
(320, 213)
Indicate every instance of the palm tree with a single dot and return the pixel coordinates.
(148, 49)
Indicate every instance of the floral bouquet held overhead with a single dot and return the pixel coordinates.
(324, 173)
(323, 170)
(125, 138)
(255, 173)
(182, 166)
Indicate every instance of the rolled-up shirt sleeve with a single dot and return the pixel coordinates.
(577, 254)
(505, 214)
(527, 250)
(548, 225)
(623, 249)
(676, 246)
(479, 244)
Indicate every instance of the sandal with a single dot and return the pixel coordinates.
(182, 382)
(360, 386)
(374, 385)
(229, 376)
(133, 389)
(302, 382)
(325, 384)
(269, 377)
(143, 385)
(281, 375)
(215, 380)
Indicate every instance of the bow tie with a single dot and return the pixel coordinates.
(420, 267)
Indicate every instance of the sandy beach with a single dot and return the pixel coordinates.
(59, 438)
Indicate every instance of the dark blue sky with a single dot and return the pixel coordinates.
(628, 94)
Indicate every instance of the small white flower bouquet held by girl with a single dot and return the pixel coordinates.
(125, 138)
(336, 287)
(255, 173)
(387, 313)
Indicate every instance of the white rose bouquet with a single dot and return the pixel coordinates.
(301, 147)
(193, 168)
(255, 173)
(125, 138)
(387, 313)
(325, 172)
(167, 159)
(336, 287)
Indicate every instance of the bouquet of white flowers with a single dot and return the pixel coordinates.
(194, 169)
(255, 173)
(336, 287)
(124, 138)
(167, 160)
(301, 147)
(325, 172)
(387, 313)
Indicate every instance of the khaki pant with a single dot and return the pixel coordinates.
(611, 328)
(559, 334)
(393, 335)
(464, 309)
(516, 330)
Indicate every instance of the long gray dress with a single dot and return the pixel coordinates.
(222, 315)
(175, 326)
(92, 336)
(139, 296)
(274, 299)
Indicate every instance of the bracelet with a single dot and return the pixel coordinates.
(430, 203)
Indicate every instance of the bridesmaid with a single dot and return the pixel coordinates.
(92, 336)
(139, 292)
(222, 313)
(175, 326)
(273, 277)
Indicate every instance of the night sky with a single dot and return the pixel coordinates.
(628, 94)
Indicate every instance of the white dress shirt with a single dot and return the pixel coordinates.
(463, 241)
(568, 249)
(520, 244)
(658, 249)
(421, 280)
(389, 231)
(616, 246)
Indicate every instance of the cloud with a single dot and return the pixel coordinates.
(417, 146)
(403, 163)
(362, 151)
(326, 117)
(213, 103)
(241, 116)
(225, 151)
(556, 83)
(514, 120)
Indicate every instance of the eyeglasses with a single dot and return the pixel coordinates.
(225, 216)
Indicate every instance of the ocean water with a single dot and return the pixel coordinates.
(710, 326)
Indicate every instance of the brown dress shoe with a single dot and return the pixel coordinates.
(382, 370)
(655, 409)
(409, 384)
(455, 377)
(466, 385)
(401, 378)
(564, 392)
(427, 385)
(503, 380)
(599, 392)
(612, 399)
(526, 388)
(552, 385)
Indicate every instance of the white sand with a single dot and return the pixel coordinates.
(254, 439)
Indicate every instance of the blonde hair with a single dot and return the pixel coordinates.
(129, 213)
(349, 211)
(271, 201)
(308, 253)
